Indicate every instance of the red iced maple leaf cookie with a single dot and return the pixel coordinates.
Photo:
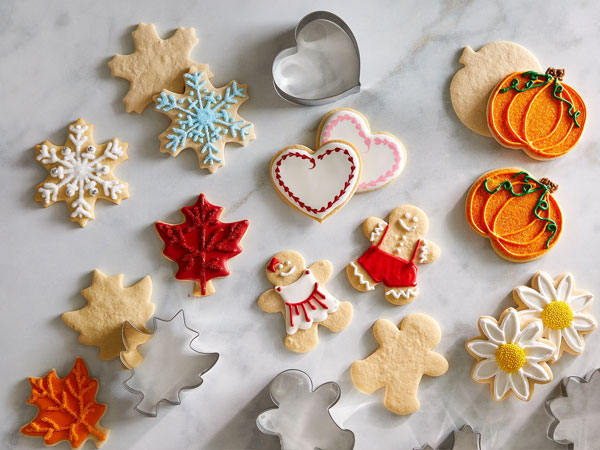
(202, 244)
(67, 408)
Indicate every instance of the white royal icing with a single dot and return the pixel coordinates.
(361, 278)
(383, 155)
(317, 183)
(377, 231)
(406, 293)
(296, 294)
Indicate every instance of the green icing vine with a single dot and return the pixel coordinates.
(529, 188)
(531, 84)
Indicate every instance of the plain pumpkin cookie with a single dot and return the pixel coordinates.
(471, 86)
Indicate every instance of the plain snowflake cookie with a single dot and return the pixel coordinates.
(563, 310)
(471, 86)
(404, 355)
(80, 172)
(383, 154)
(317, 182)
(300, 294)
(155, 65)
(511, 355)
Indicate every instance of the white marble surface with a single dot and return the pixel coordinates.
(53, 70)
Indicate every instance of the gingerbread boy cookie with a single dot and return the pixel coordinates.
(300, 295)
(397, 246)
(403, 357)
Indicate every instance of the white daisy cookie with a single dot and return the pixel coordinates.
(511, 355)
(561, 308)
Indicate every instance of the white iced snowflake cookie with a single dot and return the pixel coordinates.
(562, 310)
(511, 355)
(80, 172)
(471, 86)
(383, 155)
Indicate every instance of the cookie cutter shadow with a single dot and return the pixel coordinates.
(282, 437)
(285, 53)
(594, 374)
(141, 394)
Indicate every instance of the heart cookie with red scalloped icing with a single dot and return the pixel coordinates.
(317, 183)
(383, 155)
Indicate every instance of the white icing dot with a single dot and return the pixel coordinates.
(280, 266)
(407, 215)
(415, 219)
(288, 262)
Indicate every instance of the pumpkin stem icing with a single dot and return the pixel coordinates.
(552, 186)
(557, 73)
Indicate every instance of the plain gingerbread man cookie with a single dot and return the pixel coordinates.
(404, 355)
(300, 295)
(397, 246)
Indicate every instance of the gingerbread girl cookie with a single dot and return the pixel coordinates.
(405, 354)
(397, 246)
(300, 295)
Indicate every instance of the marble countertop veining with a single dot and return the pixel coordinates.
(53, 70)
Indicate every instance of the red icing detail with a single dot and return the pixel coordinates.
(307, 272)
(278, 288)
(391, 269)
(294, 308)
(272, 264)
(202, 244)
(300, 203)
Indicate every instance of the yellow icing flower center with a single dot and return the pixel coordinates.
(557, 315)
(510, 357)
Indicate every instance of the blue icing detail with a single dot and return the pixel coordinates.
(206, 118)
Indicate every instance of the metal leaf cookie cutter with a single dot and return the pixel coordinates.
(323, 67)
(302, 419)
(576, 412)
(463, 439)
(170, 364)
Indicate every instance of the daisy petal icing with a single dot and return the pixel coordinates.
(530, 333)
(491, 330)
(539, 352)
(535, 372)
(564, 290)
(519, 385)
(532, 298)
(546, 286)
(584, 322)
(573, 339)
(511, 325)
(483, 348)
(501, 384)
(485, 369)
(580, 302)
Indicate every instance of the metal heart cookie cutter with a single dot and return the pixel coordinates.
(170, 363)
(302, 419)
(323, 67)
(576, 412)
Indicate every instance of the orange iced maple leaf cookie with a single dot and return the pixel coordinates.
(109, 305)
(536, 113)
(155, 65)
(204, 118)
(67, 408)
(511, 355)
(516, 212)
(301, 296)
(405, 354)
(80, 172)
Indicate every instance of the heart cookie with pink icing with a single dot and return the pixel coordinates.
(317, 183)
(383, 155)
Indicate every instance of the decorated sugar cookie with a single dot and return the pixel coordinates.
(204, 118)
(383, 155)
(155, 65)
(563, 311)
(404, 355)
(516, 212)
(67, 408)
(202, 245)
(471, 86)
(397, 247)
(537, 113)
(301, 296)
(317, 183)
(80, 172)
(511, 355)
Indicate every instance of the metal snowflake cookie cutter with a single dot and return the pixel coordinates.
(323, 66)
(463, 439)
(170, 364)
(302, 420)
(576, 412)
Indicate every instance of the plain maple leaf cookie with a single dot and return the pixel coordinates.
(67, 408)
(301, 296)
(155, 65)
(202, 245)
(80, 172)
(109, 305)
(405, 354)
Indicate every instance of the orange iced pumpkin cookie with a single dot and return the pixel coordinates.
(537, 113)
(516, 212)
